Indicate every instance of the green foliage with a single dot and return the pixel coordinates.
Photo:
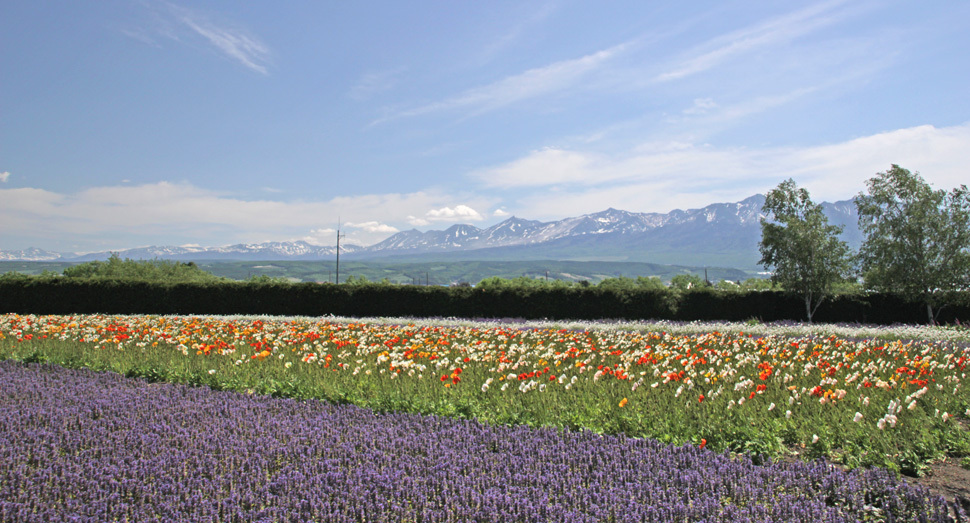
(626, 284)
(805, 252)
(12, 277)
(616, 299)
(15, 276)
(917, 240)
(356, 280)
(727, 286)
(685, 282)
(436, 273)
(523, 282)
(158, 271)
(265, 278)
(757, 284)
(493, 283)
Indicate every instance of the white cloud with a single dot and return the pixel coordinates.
(665, 176)
(321, 237)
(499, 213)
(179, 24)
(458, 212)
(140, 35)
(771, 33)
(374, 227)
(446, 214)
(707, 117)
(520, 26)
(4, 176)
(245, 49)
(761, 103)
(177, 213)
(701, 106)
(549, 166)
(529, 84)
(374, 82)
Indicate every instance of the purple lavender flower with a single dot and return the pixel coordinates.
(78, 445)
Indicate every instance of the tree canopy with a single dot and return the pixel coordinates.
(142, 270)
(800, 247)
(917, 240)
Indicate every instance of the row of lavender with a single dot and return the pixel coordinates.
(77, 445)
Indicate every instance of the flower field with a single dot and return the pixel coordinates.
(701, 397)
(98, 447)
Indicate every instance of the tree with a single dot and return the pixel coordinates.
(756, 284)
(622, 283)
(805, 252)
(917, 240)
(140, 270)
(685, 282)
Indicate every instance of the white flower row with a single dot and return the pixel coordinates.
(894, 332)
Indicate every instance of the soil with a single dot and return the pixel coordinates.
(945, 478)
(948, 479)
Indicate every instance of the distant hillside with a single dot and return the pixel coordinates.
(431, 273)
(470, 271)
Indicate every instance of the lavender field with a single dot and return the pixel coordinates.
(86, 446)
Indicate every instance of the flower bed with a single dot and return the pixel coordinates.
(79, 445)
(872, 401)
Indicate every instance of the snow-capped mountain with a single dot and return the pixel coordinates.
(723, 234)
(298, 250)
(30, 254)
(516, 231)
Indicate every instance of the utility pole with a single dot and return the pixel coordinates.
(338, 250)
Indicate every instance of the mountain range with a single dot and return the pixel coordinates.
(718, 235)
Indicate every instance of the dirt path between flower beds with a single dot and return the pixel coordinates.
(947, 479)
(944, 478)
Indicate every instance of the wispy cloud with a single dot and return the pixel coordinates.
(517, 29)
(141, 35)
(705, 112)
(701, 106)
(772, 32)
(705, 117)
(236, 43)
(529, 84)
(177, 23)
(638, 65)
(4, 176)
(375, 82)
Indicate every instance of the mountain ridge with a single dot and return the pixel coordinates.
(720, 234)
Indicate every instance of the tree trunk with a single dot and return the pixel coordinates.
(808, 307)
(929, 314)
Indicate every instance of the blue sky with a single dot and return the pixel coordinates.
(129, 123)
